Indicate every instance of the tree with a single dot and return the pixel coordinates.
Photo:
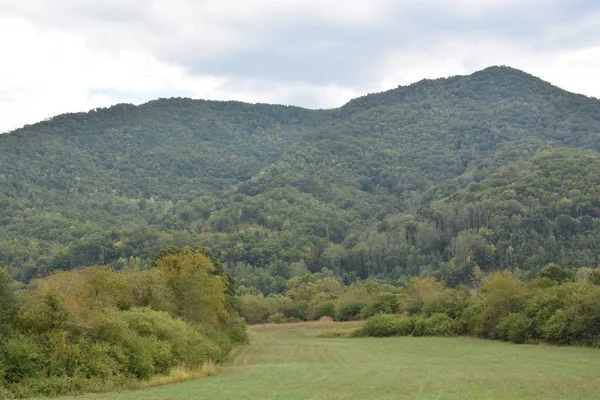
(556, 273)
(199, 292)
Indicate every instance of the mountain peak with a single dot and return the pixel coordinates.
(489, 84)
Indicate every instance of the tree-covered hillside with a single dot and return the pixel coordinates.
(444, 177)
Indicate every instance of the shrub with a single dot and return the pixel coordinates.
(277, 318)
(543, 303)
(281, 304)
(502, 293)
(440, 325)
(349, 311)
(95, 360)
(419, 326)
(436, 325)
(321, 306)
(556, 329)
(301, 310)
(254, 308)
(383, 325)
(387, 303)
(235, 328)
(2, 372)
(451, 302)
(584, 317)
(23, 357)
(418, 292)
(516, 328)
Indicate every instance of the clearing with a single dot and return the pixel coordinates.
(291, 362)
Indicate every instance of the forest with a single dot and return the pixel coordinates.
(447, 178)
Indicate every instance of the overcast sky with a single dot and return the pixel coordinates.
(60, 56)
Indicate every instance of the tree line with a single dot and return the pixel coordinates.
(558, 306)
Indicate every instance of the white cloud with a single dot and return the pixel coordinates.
(51, 72)
(71, 55)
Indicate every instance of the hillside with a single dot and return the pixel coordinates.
(386, 186)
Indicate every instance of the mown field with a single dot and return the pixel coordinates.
(292, 362)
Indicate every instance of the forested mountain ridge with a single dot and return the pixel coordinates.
(366, 190)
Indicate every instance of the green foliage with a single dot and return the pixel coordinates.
(556, 329)
(8, 298)
(440, 178)
(23, 357)
(516, 328)
(349, 311)
(254, 308)
(386, 303)
(583, 317)
(556, 273)
(501, 294)
(321, 306)
(383, 325)
(439, 325)
(96, 328)
(277, 318)
(451, 302)
(505, 308)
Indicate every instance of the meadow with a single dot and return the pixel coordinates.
(291, 361)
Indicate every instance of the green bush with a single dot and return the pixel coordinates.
(254, 308)
(146, 355)
(420, 325)
(301, 310)
(556, 329)
(2, 371)
(584, 317)
(349, 311)
(189, 345)
(277, 318)
(316, 310)
(440, 325)
(451, 302)
(235, 327)
(516, 328)
(543, 303)
(384, 325)
(23, 357)
(387, 303)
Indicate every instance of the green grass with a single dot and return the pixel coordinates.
(291, 362)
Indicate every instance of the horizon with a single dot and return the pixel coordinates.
(64, 56)
(50, 118)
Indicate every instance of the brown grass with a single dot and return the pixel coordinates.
(180, 374)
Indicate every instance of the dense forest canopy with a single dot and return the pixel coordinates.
(446, 178)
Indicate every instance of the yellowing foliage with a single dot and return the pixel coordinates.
(199, 293)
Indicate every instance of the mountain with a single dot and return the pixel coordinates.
(444, 177)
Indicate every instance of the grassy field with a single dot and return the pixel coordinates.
(291, 362)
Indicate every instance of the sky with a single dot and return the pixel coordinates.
(59, 56)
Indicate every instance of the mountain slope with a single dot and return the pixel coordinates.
(277, 190)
